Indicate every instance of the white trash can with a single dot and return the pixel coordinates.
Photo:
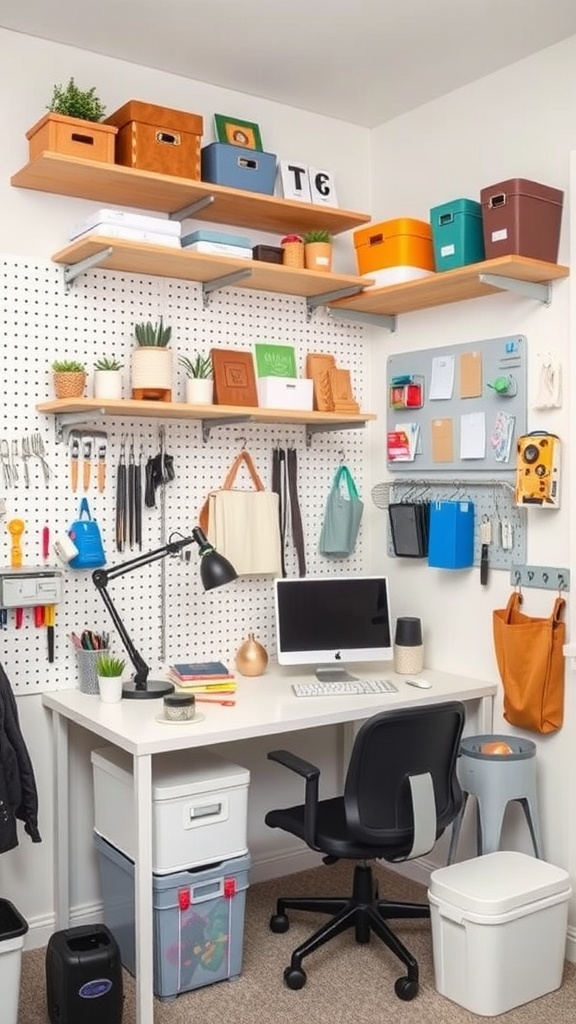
(498, 930)
(13, 928)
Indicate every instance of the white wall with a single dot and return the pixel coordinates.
(516, 123)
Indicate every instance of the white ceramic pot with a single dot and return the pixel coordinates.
(152, 373)
(199, 391)
(110, 689)
(107, 384)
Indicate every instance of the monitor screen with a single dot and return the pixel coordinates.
(332, 621)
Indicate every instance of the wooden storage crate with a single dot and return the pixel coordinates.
(72, 136)
(153, 138)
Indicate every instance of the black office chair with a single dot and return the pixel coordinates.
(401, 792)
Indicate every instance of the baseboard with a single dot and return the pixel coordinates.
(42, 927)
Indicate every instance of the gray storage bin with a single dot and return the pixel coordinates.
(198, 919)
(249, 169)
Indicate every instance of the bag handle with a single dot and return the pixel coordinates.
(558, 610)
(242, 457)
(84, 507)
(514, 602)
(343, 475)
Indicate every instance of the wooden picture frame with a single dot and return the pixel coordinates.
(238, 133)
(234, 377)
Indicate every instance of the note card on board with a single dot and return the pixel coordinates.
(442, 448)
(470, 375)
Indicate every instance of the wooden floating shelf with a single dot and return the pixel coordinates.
(450, 286)
(164, 261)
(164, 193)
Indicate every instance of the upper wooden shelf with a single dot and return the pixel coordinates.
(453, 286)
(164, 193)
(68, 410)
(163, 261)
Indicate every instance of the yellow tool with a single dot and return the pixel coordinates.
(16, 528)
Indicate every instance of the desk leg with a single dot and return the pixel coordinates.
(143, 890)
(61, 822)
(486, 715)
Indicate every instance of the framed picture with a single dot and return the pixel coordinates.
(237, 133)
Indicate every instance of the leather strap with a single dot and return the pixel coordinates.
(279, 488)
(296, 515)
(242, 457)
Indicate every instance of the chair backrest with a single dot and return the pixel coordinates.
(390, 748)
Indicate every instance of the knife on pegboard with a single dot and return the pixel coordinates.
(87, 451)
(101, 444)
(74, 442)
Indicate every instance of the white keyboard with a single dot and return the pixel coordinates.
(318, 688)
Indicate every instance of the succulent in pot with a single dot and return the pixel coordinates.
(152, 362)
(109, 670)
(149, 335)
(318, 250)
(199, 383)
(110, 665)
(108, 378)
(69, 378)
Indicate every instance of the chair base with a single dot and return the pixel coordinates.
(364, 912)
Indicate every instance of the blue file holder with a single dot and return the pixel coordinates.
(451, 540)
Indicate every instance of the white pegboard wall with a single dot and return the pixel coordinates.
(43, 322)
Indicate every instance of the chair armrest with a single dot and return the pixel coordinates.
(311, 773)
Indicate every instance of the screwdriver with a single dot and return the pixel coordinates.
(49, 620)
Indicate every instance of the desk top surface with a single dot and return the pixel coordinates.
(265, 706)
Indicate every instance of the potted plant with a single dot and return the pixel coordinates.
(69, 378)
(152, 362)
(72, 126)
(109, 670)
(108, 378)
(199, 382)
(318, 250)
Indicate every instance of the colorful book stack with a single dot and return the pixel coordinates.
(203, 677)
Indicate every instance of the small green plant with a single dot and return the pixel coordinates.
(109, 665)
(108, 363)
(75, 102)
(200, 367)
(152, 335)
(319, 235)
(68, 366)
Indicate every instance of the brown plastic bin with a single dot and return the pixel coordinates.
(522, 217)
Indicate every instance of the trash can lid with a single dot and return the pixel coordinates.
(497, 883)
(12, 924)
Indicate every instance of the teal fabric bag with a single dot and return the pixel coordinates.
(342, 516)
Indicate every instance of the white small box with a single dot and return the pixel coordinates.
(130, 235)
(239, 252)
(121, 218)
(498, 930)
(285, 393)
(199, 807)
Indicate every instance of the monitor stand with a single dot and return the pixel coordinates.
(334, 674)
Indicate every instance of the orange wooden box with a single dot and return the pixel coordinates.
(403, 242)
(154, 138)
(71, 136)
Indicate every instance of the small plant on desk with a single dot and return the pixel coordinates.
(198, 368)
(110, 665)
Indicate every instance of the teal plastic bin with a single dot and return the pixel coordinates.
(457, 234)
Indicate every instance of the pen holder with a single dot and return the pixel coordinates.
(87, 676)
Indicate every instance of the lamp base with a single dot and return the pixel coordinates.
(154, 688)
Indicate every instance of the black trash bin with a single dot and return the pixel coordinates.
(13, 928)
(84, 976)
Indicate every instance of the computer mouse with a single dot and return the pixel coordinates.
(422, 684)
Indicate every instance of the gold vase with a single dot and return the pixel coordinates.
(251, 657)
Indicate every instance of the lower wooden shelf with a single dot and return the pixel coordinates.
(69, 411)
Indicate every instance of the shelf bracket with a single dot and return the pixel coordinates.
(72, 271)
(322, 300)
(191, 209)
(208, 424)
(222, 282)
(63, 421)
(325, 428)
(531, 289)
(389, 323)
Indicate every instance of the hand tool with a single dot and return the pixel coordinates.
(26, 454)
(87, 448)
(138, 498)
(45, 544)
(121, 499)
(100, 440)
(39, 615)
(37, 442)
(49, 619)
(16, 528)
(74, 459)
(131, 502)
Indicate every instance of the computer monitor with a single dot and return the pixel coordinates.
(327, 622)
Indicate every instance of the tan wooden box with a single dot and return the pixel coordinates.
(72, 136)
(154, 138)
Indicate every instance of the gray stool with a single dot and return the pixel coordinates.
(495, 780)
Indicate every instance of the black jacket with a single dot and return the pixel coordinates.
(18, 794)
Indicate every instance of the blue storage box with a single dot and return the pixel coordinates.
(457, 234)
(235, 167)
(219, 243)
(451, 537)
(198, 919)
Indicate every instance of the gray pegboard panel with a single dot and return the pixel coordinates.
(42, 322)
(501, 357)
(493, 500)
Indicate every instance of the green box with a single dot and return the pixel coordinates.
(274, 360)
(457, 235)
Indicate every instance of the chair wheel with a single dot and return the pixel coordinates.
(405, 989)
(279, 923)
(294, 977)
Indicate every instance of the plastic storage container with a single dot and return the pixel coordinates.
(219, 243)
(457, 234)
(84, 976)
(13, 928)
(198, 919)
(498, 930)
(522, 217)
(154, 138)
(235, 167)
(199, 806)
(451, 537)
(394, 251)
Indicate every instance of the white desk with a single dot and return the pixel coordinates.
(265, 706)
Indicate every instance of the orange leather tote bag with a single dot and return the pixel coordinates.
(531, 665)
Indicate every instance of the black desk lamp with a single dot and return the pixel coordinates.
(215, 571)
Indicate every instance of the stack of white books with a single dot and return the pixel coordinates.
(136, 227)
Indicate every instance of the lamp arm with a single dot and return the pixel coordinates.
(141, 668)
